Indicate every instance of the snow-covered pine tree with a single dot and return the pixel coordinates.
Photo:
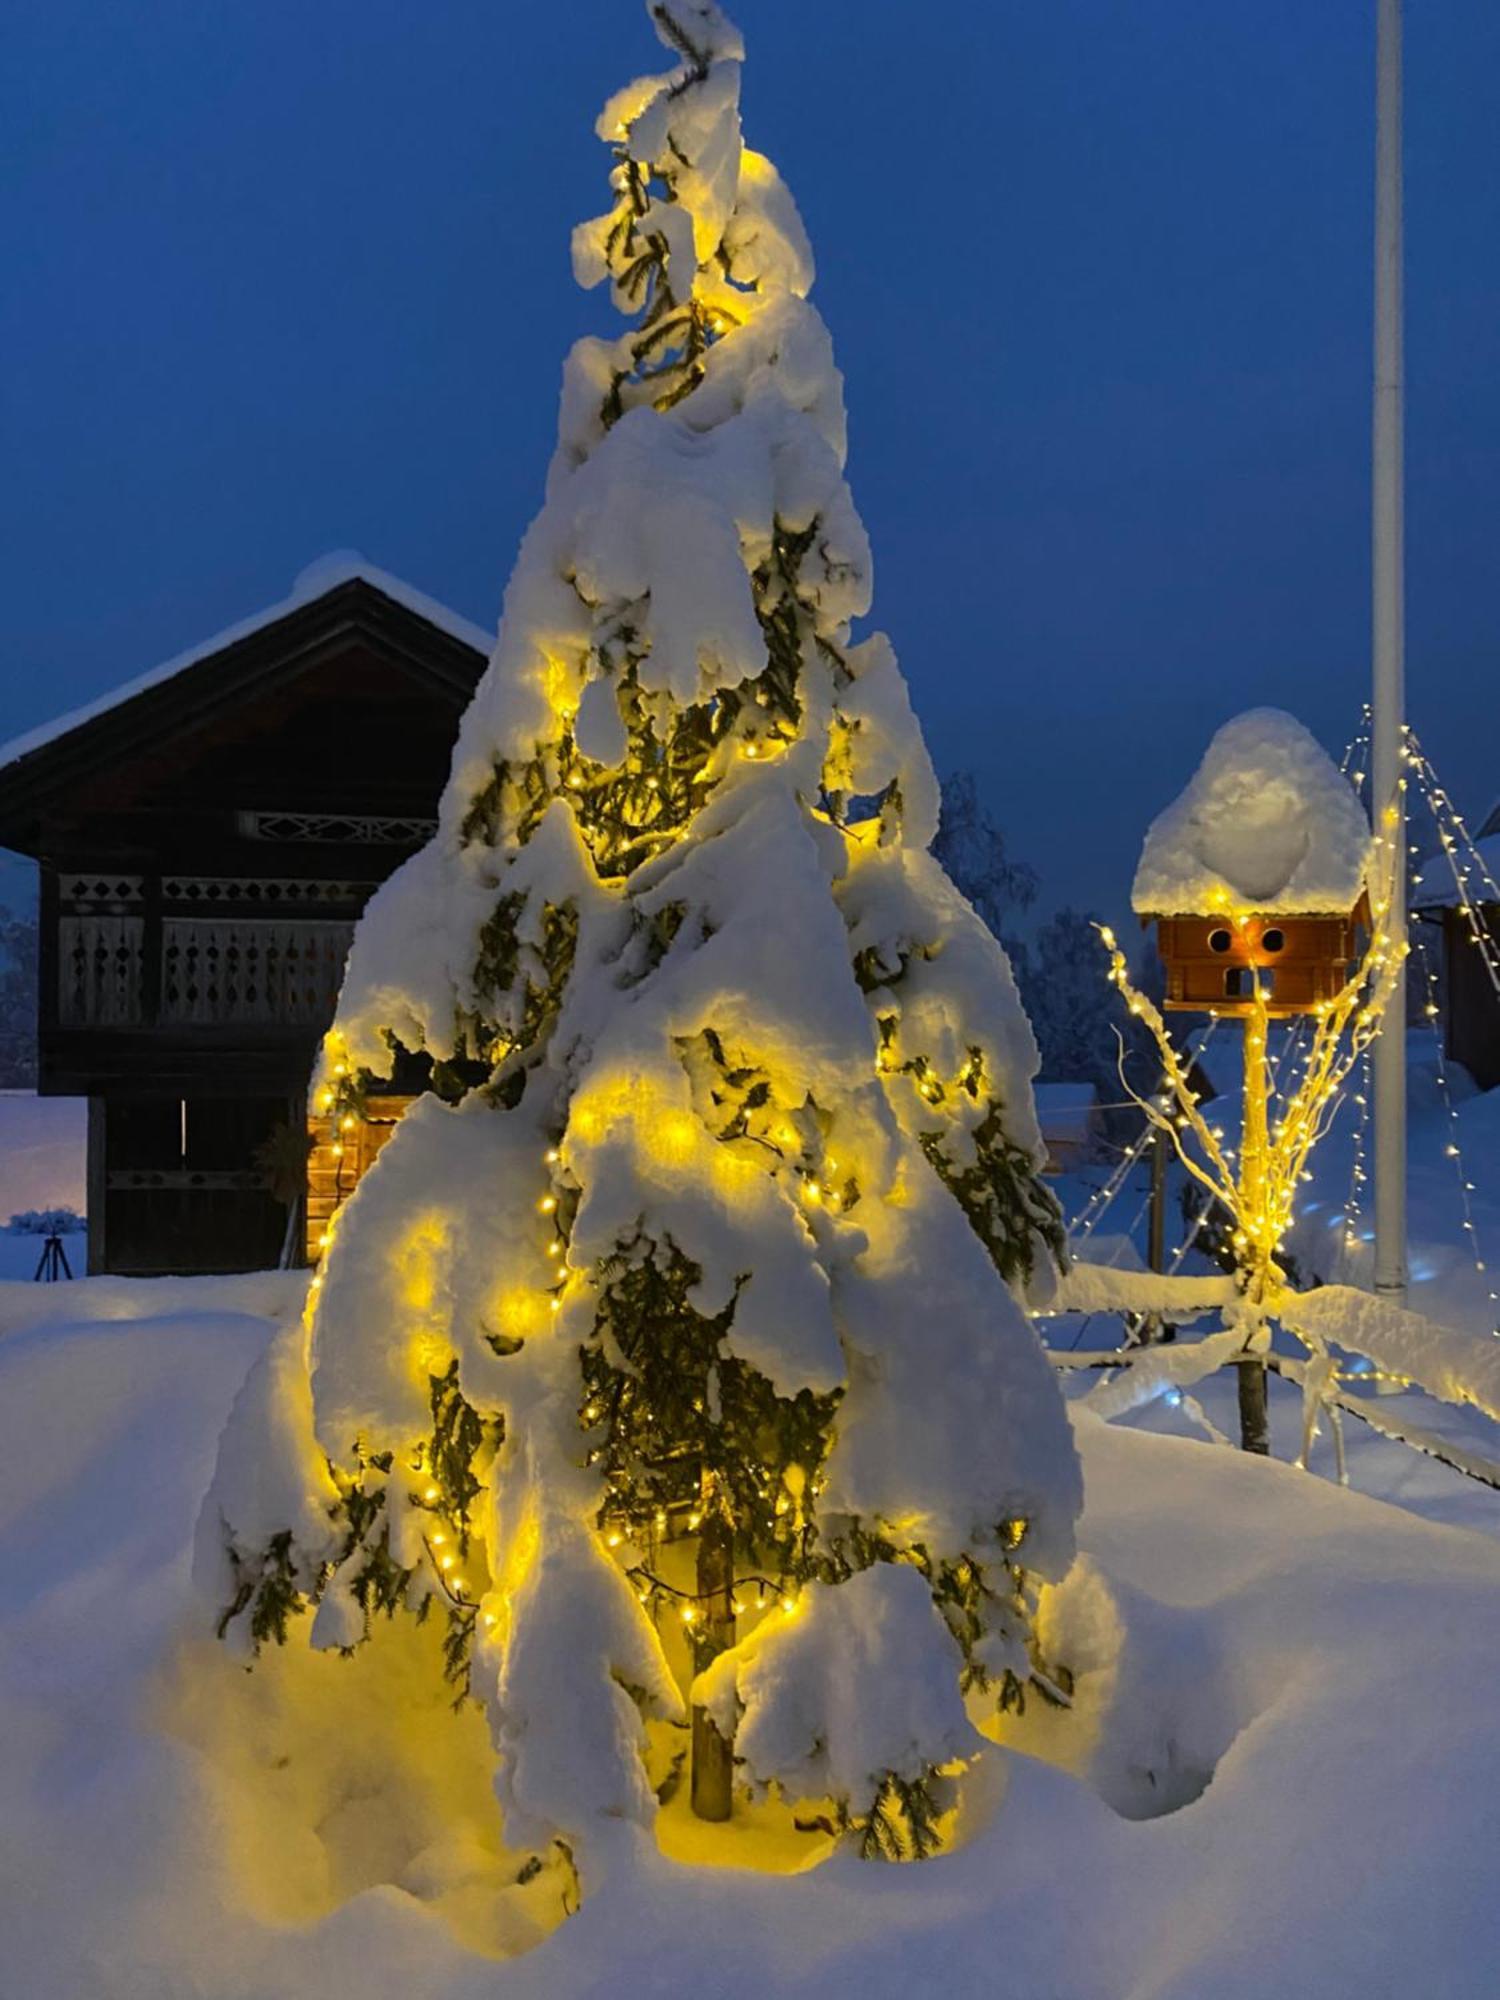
(684, 1307)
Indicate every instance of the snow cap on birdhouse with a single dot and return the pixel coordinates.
(1256, 875)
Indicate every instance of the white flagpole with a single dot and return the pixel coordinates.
(1389, 637)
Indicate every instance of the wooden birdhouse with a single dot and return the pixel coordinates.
(1255, 877)
(343, 1151)
(1215, 963)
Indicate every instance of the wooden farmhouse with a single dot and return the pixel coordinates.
(207, 837)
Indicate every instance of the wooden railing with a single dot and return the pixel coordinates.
(129, 954)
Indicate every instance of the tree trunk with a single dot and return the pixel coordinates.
(1255, 1429)
(713, 1754)
(1255, 1426)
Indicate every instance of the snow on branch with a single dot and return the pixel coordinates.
(1100, 1288)
(1453, 1367)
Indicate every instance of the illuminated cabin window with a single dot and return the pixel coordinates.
(340, 1157)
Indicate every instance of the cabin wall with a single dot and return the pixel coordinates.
(1472, 1030)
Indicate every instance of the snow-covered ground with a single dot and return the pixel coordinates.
(1304, 1674)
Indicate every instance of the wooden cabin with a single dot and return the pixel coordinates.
(207, 837)
(1470, 1004)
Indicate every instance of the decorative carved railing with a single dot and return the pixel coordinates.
(234, 969)
(186, 952)
(99, 981)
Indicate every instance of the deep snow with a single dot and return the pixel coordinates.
(1310, 1668)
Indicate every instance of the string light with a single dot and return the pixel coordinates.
(1259, 1193)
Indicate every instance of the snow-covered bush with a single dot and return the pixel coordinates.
(46, 1222)
(689, 1296)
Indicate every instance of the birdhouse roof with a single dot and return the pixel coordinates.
(1268, 824)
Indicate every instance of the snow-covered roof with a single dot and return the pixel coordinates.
(1436, 889)
(324, 574)
(1269, 823)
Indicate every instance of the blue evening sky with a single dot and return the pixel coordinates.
(282, 278)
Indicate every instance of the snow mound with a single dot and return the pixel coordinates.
(1269, 822)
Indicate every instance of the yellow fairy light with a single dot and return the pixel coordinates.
(547, 1203)
(430, 1494)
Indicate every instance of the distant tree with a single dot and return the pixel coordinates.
(18, 963)
(1079, 1019)
(972, 850)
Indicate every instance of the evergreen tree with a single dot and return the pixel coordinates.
(18, 974)
(683, 1310)
(1085, 1031)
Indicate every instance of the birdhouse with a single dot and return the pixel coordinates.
(1255, 876)
(343, 1150)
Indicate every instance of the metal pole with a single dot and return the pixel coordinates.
(1389, 641)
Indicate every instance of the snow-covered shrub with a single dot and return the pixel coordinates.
(46, 1222)
(690, 1294)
